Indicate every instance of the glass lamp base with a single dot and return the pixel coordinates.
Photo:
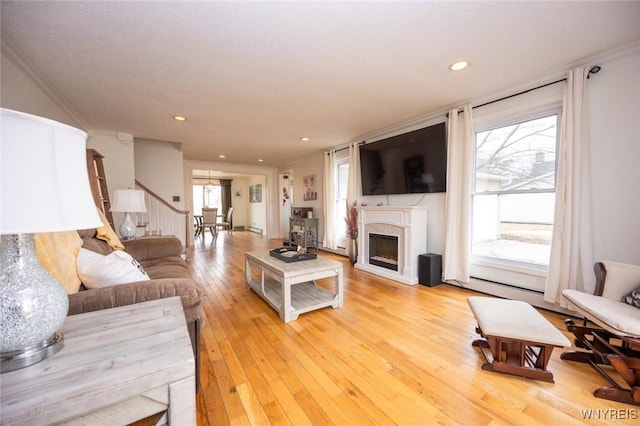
(15, 360)
(33, 305)
(128, 228)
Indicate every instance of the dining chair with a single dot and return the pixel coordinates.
(209, 220)
(227, 223)
(197, 225)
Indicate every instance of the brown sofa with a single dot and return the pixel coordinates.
(169, 273)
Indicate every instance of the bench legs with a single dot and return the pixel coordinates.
(516, 357)
(604, 348)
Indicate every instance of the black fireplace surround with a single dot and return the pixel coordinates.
(383, 251)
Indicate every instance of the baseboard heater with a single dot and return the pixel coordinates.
(508, 285)
(256, 230)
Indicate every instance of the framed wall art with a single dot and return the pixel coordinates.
(309, 193)
(255, 193)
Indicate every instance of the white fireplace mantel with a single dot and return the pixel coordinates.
(408, 223)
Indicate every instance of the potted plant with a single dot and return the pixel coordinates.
(352, 232)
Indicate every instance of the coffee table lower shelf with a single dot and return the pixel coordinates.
(305, 297)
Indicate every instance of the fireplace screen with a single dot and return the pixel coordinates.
(383, 251)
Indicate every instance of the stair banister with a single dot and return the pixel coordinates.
(167, 210)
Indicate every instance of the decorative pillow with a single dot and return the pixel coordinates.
(97, 270)
(633, 298)
(106, 233)
(57, 252)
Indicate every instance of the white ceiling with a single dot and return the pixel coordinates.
(254, 77)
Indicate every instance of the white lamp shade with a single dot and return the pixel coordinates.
(128, 201)
(44, 184)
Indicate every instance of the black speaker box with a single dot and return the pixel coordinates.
(430, 269)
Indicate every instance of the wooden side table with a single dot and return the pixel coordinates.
(117, 366)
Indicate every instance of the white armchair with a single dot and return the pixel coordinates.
(614, 336)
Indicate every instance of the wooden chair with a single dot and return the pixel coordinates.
(209, 220)
(610, 334)
(227, 223)
(197, 225)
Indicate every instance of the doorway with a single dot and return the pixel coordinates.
(286, 197)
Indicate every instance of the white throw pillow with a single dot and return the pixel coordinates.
(97, 270)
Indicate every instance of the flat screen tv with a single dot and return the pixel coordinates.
(413, 162)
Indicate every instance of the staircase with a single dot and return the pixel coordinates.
(162, 218)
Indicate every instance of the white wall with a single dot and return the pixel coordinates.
(158, 166)
(614, 107)
(240, 204)
(257, 212)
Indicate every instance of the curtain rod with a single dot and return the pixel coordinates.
(347, 147)
(593, 70)
(338, 150)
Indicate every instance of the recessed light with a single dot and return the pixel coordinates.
(260, 160)
(304, 139)
(179, 118)
(222, 156)
(459, 66)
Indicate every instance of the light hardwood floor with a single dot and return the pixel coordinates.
(394, 354)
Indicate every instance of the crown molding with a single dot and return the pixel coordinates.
(32, 72)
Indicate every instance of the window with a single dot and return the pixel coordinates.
(342, 178)
(514, 193)
(206, 196)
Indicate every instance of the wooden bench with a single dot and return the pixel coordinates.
(519, 338)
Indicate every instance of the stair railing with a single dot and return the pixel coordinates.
(164, 219)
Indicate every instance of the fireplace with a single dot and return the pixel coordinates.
(383, 251)
(390, 239)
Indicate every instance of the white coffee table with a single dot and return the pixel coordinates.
(117, 366)
(290, 287)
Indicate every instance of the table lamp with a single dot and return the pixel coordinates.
(128, 201)
(44, 187)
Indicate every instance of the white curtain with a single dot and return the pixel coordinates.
(354, 184)
(460, 153)
(330, 224)
(571, 261)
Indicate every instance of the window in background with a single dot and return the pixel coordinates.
(514, 194)
(206, 196)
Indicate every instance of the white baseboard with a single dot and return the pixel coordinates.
(509, 292)
(256, 230)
